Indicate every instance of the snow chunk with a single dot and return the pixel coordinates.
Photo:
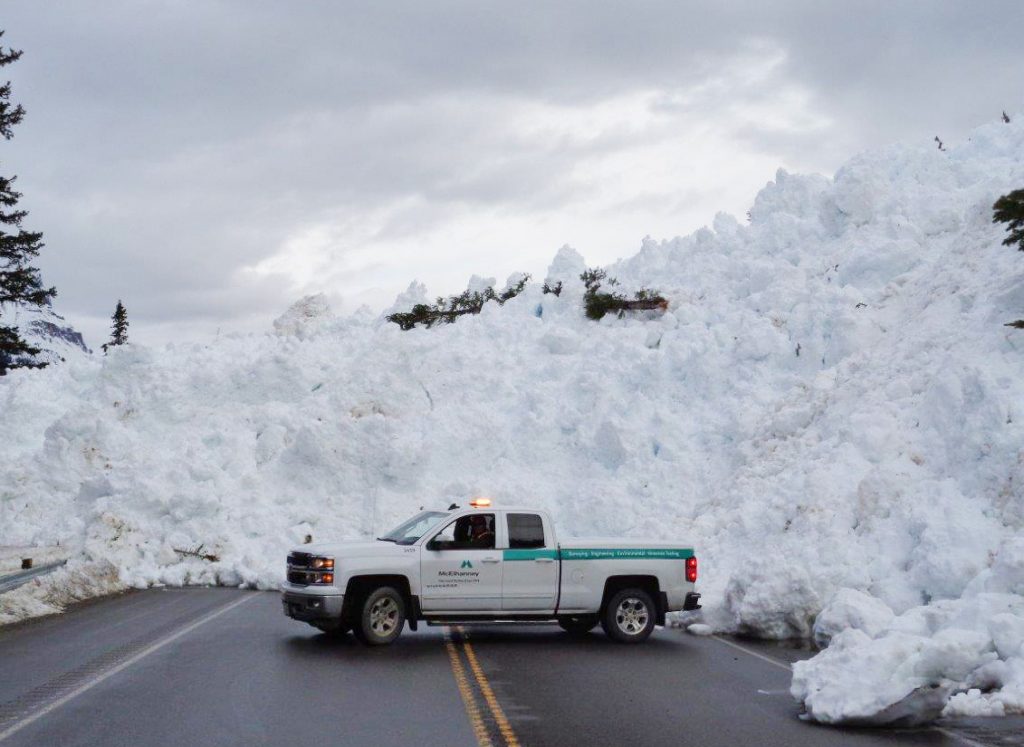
(851, 609)
(304, 318)
(478, 284)
(923, 663)
(566, 267)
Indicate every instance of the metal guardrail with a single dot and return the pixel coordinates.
(14, 580)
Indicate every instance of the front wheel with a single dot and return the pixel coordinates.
(629, 616)
(578, 624)
(382, 617)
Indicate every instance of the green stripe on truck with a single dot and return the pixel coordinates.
(599, 554)
(528, 554)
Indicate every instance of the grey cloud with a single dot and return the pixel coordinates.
(169, 145)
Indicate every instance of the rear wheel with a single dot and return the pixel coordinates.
(629, 616)
(381, 618)
(578, 624)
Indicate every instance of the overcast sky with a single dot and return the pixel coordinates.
(211, 161)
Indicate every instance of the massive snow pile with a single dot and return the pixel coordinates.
(831, 410)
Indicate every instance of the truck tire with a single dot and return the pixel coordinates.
(381, 617)
(629, 616)
(579, 624)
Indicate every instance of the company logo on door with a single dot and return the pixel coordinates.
(448, 579)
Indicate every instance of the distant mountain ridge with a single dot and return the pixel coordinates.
(44, 328)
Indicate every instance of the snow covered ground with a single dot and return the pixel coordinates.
(831, 411)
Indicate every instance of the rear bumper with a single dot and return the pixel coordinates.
(692, 602)
(311, 607)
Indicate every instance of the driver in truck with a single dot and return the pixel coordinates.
(480, 534)
(475, 532)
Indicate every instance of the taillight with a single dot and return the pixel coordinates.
(691, 569)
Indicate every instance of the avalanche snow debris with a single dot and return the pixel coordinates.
(304, 317)
(878, 476)
(851, 609)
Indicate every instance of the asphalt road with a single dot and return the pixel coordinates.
(224, 667)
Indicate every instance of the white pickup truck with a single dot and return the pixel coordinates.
(483, 563)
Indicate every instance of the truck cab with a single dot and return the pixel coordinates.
(484, 563)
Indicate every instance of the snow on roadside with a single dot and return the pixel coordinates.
(884, 669)
(52, 593)
(831, 403)
(11, 557)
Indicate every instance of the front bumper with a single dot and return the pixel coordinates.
(692, 602)
(311, 607)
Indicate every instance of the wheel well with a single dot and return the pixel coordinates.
(359, 587)
(649, 584)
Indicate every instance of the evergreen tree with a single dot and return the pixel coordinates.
(597, 303)
(20, 282)
(447, 310)
(1009, 209)
(118, 327)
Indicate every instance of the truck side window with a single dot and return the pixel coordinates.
(525, 531)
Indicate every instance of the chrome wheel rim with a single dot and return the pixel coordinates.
(384, 616)
(631, 616)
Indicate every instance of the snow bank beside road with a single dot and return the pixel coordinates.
(905, 670)
(831, 403)
(52, 593)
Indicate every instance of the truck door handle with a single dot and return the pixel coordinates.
(543, 560)
(490, 560)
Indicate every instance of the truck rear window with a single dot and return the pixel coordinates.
(525, 531)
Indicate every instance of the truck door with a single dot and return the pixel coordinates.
(530, 581)
(460, 569)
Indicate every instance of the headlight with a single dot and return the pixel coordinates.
(322, 563)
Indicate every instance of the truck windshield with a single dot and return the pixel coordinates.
(409, 531)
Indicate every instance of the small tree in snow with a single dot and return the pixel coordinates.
(1009, 209)
(447, 310)
(118, 327)
(597, 303)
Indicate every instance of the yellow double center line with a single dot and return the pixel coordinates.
(476, 720)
